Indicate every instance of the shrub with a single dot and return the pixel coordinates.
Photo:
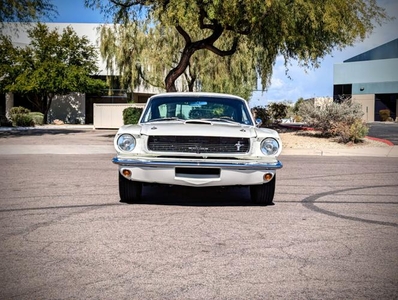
(20, 116)
(324, 119)
(23, 120)
(358, 131)
(278, 111)
(298, 119)
(342, 120)
(346, 133)
(131, 115)
(384, 114)
(262, 113)
(19, 110)
(273, 113)
(37, 118)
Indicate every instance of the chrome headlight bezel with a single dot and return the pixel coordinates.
(269, 146)
(126, 142)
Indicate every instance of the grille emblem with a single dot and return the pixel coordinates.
(198, 149)
(238, 145)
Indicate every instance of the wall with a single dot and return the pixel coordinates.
(70, 109)
(368, 106)
(110, 115)
(378, 71)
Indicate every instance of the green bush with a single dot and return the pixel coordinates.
(272, 113)
(278, 111)
(19, 110)
(261, 112)
(353, 133)
(23, 120)
(37, 117)
(358, 131)
(384, 114)
(342, 120)
(20, 116)
(131, 115)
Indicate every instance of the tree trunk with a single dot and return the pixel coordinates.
(47, 100)
(190, 48)
(176, 72)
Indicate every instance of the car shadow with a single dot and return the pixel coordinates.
(38, 132)
(194, 196)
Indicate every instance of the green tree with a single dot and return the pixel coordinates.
(143, 54)
(278, 111)
(304, 30)
(25, 10)
(52, 64)
(297, 104)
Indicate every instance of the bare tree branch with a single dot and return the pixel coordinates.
(184, 34)
(219, 52)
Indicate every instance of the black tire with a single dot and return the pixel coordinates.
(129, 191)
(263, 193)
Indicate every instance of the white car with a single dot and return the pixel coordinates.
(197, 140)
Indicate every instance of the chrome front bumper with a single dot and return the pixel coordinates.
(240, 165)
(185, 171)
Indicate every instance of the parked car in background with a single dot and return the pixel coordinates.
(197, 140)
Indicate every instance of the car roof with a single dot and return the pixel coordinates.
(196, 95)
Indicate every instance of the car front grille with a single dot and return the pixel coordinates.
(198, 144)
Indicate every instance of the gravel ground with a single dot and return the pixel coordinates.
(309, 140)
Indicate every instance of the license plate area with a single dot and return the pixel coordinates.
(197, 172)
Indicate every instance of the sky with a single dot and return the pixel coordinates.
(299, 82)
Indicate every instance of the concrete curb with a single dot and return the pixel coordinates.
(380, 140)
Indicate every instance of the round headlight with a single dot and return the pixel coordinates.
(126, 142)
(269, 146)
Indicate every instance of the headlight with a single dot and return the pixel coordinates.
(269, 146)
(126, 142)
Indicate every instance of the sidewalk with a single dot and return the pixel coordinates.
(390, 151)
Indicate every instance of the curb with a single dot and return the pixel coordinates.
(389, 143)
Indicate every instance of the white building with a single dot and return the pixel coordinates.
(75, 107)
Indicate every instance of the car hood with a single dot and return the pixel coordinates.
(198, 128)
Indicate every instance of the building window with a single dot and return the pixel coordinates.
(342, 91)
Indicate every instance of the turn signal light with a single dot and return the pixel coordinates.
(268, 176)
(126, 173)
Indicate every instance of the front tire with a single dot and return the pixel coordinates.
(263, 193)
(129, 191)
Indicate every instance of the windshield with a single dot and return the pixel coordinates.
(209, 108)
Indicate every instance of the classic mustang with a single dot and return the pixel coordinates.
(197, 140)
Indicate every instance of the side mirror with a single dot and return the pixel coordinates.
(259, 122)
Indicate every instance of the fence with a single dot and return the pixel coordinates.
(110, 115)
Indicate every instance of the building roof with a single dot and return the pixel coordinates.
(386, 51)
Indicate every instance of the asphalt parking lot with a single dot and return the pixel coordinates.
(384, 130)
(332, 233)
